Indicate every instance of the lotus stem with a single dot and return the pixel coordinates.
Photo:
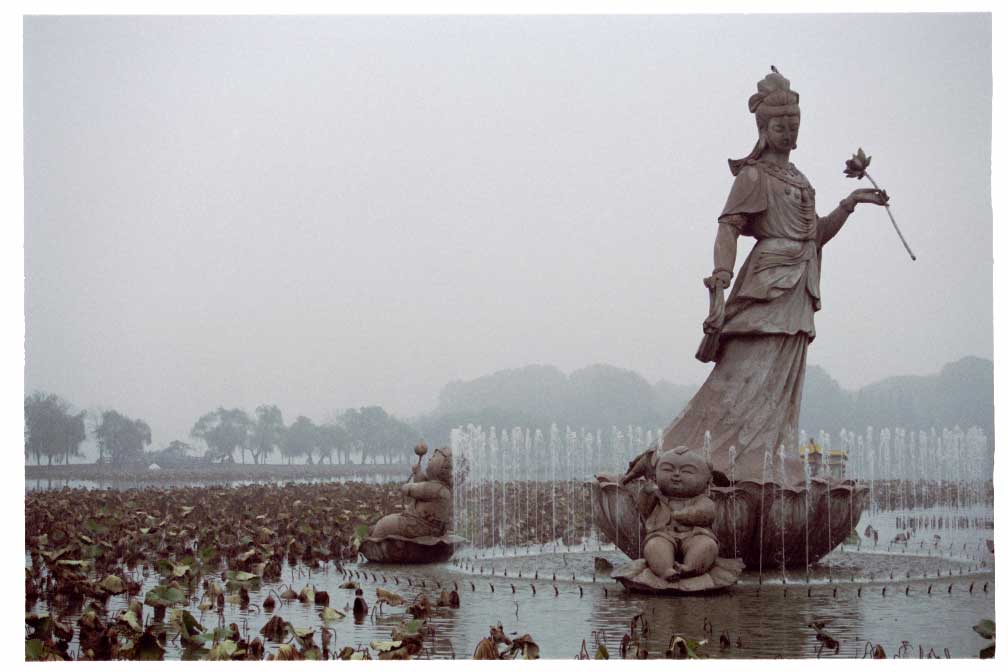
(889, 212)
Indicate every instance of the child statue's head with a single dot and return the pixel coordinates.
(439, 468)
(681, 472)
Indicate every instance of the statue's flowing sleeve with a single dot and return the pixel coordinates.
(748, 197)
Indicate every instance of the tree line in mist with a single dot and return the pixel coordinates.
(595, 397)
(600, 397)
(54, 434)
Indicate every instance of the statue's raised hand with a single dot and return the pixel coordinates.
(872, 196)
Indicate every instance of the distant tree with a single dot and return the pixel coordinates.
(51, 431)
(177, 450)
(122, 439)
(374, 432)
(267, 432)
(300, 439)
(176, 453)
(223, 431)
(94, 418)
(399, 439)
(332, 439)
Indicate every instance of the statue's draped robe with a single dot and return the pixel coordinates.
(752, 398)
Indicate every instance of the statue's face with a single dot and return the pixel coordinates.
(682, 475)
(782, 133)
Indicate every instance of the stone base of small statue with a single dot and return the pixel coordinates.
(398, 550)
(419, 534)
(637, 577)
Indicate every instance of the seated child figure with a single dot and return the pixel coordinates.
(678, 516)
(429, 498)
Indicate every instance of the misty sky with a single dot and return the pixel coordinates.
(340, 211)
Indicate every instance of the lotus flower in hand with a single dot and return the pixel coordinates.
(857, 165)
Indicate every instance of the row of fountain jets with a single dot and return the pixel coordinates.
(525, 490)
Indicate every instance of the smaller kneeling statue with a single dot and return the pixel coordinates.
(680, 550)
(419, 533)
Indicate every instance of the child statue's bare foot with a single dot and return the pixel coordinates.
(675, 572)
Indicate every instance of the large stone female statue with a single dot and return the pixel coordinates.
(759, 338)
(767, 512)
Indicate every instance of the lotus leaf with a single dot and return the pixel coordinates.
(301, 632)
(390, 598)
(225, 650)
(285, 652)
(164, 596)
(74, 563)
(95, 527)
(275, 629)
(330, 614)
(148, 647)
(130, 619)
(401, 653)
(211, 636)
(39, 650)
(186, 624)
(243, 557)
(385, 645)
(53, 556)
(985, 628)
(241, 577)
(524, 645)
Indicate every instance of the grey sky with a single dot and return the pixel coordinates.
(330, 212)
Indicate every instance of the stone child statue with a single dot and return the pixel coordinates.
(429, 500)
(678, 516)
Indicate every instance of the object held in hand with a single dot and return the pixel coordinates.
(857, 167)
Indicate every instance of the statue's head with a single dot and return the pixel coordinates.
(439, 468)
(681, 472)
(773, 98)
(777, 117)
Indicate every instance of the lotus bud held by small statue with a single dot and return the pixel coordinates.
(420, 533)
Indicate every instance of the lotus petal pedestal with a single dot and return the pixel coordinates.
(638, 578)
(394, 549)
(763, 524)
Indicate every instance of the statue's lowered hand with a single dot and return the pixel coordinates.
(715, 317)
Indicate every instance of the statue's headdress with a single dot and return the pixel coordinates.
(773, 98)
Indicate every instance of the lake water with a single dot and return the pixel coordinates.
(768, 620)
